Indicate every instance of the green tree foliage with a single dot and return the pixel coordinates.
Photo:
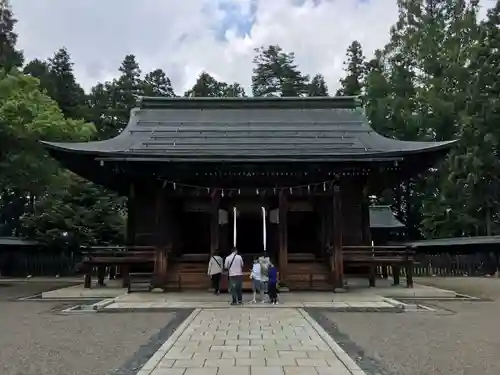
(79, 210)
(27, 116)
(276, 74)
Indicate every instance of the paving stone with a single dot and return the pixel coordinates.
(244, 348)
(238, 370)
(208, 355)
(168, 371)
(222, 362)
(250, 362)
(302, 370)
(259, 370)
(264, 354)
(166, 362)
(284, 361)
(175, 355)
(188, 363)
(201, 371)
(312, 362)
(292, 354)
(223, 348)
(334, 371)
(237, 354)
(323, 355)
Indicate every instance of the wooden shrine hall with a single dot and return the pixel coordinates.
(288, 176)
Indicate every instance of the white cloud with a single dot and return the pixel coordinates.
(182, 37)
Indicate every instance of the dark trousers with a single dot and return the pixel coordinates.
(236, 285)
(273, 292)
(216, 282)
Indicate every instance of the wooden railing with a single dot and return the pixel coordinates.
(114, 256)
(374, 257)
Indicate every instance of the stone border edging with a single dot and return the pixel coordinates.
(151, 364)
(348, 362)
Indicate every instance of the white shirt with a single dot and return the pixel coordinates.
(215, 265)
(255, 275)
(236, 268)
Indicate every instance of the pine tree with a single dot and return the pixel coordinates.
(10, 57)
(276, 74)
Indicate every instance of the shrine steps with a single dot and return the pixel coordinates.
(308, 275)
(304, 272)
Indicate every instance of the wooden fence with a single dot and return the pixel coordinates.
(39, 262)
(446, 264)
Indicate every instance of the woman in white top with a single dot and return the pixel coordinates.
(255, 275)
(215, 271)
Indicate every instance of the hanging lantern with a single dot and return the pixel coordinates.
(324, 186)
(257, 191)
(222, 193)
(174, 185)
(308, 189)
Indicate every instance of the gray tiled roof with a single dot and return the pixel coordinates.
(250, 129)
(382, 217)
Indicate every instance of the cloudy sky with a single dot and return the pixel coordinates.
(184, 37)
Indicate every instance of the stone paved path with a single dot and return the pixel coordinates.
(243, 341)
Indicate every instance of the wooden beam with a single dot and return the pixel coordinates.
(337, 239)
(283, 234)
(214, 222)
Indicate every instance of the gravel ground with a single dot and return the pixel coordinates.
(463, 341)
(36, 341)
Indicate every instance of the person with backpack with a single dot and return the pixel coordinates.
(234, 265)
(215, 271)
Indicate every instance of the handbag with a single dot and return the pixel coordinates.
(230, 264)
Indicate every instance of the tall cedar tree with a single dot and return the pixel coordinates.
(276, 74)
(63, 87)
(156, 83)
(10, 57)
(317, 86)
(352, 83)
(208, 86)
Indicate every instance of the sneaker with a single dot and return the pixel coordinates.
(253, 301)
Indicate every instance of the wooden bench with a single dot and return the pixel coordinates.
(383, 256)
(114, 256)
(140, 282)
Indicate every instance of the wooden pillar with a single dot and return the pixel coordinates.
(131, 216)
(163, 237)
(283, 234)
(365, 217)
(337, 238)
(214, 222)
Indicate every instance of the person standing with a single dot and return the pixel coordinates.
(264, 262)
(273, 284)
(215, 271)
(234, 264)
(255, 275)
